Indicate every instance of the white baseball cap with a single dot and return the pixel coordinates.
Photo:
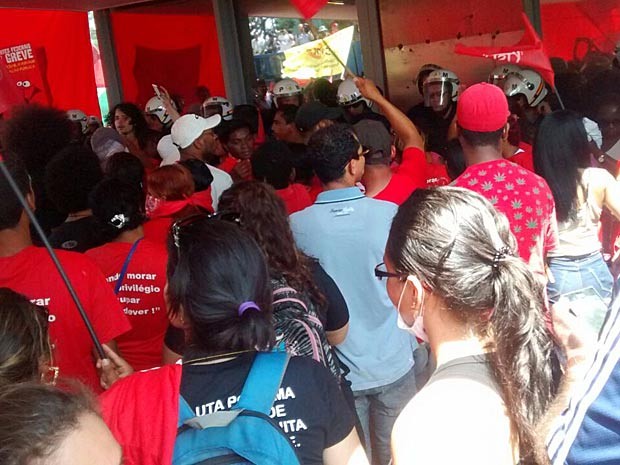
(188, 128)
(168, 152)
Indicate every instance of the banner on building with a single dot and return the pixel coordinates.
(314, 59)
(24, 65)
(528, 52)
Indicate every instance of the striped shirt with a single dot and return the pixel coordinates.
(588, 431)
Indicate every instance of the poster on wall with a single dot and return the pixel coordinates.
(9, 95)
(26, 67)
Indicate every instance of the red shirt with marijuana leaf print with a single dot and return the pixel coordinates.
(525, 199)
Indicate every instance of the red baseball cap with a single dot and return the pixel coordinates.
(482, 107)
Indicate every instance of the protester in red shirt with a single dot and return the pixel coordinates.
(227, 318)
(135, 268)
(415, 171)
(273, 163)
(238, 139)
(30, 271)
(171, 195)
(524, 197)
(514, 149)
(523, 156)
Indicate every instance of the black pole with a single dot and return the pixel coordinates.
(53, 256)
(557, 94)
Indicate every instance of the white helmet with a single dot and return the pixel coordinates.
(500, 73)
(349, 94)
(223, 106)
(449, 84)
(286, 88)
(425, 70)
(80, 117)
(529, 83)
(155, 106)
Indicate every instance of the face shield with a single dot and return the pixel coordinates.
(210, 110)
(516, 104)
(497, 80)
(289, 99)
(437, 95)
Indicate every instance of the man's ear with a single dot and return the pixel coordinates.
(30, 199)
(355, 167)
(178, 319)
(198, 143)
(505, 132)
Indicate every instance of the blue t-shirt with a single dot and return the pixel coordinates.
(347, 233)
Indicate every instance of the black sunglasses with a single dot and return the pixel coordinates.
(178, 225)
(381, 272)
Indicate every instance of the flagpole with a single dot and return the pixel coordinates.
(53, 256)
(322, 39)
(555, 90)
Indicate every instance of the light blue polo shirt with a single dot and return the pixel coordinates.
(347, 233)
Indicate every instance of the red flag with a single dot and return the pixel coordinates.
(529, 52)
(308, 8)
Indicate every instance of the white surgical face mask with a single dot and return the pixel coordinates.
(417, 329)
(151, 204)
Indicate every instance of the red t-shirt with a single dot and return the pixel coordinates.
(141, 295)
(142, 412)
(525, 199)
(413, 172)
(315, 188)
(157, 229)
(228, 163)
(524, 157)
(296, 198)
(32, 273)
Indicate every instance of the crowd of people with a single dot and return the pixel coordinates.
(272, 283)
(265, 42)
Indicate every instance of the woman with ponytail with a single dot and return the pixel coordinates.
(219, 293)
(453, 277)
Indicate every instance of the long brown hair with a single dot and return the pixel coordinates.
(24, 343)
(450, 238)
(263, 214)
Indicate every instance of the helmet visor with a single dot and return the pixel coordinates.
(211, 109)
(437, 94)
(498, 80)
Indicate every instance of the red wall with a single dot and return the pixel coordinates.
(417, 21)
(177, 51)
(563, 23)
(61, 41)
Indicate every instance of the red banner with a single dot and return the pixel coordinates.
(308, 8)
(9, 95)
(27, 68)
(529, 52)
